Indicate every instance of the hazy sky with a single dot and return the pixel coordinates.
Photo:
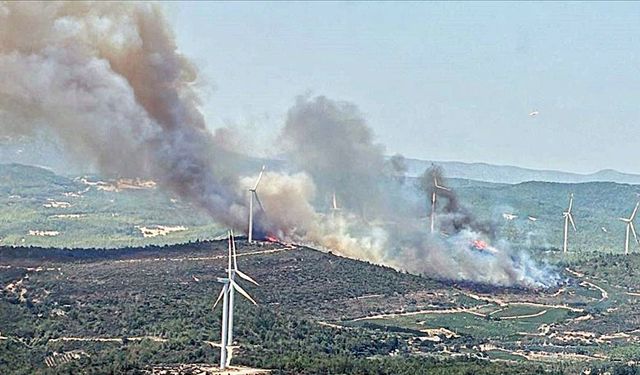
(441, 81)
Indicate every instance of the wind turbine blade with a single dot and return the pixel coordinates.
(259, 178)
(246, 277)
(259, 202)
(633, 230)
(230, 256)
(570, 203)
(635, 211)
(437, 185)
(219, 298)
(572, 223)
(241, 291)
(233, 250)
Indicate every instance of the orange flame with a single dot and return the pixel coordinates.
(480, 245)
(271, 238)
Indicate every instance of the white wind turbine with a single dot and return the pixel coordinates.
(254, 195)
(334, 204)
(227, 296)
(568, 217)
(436, 186)
(630, 228)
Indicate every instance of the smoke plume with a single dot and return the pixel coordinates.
(331, 141)
(398, 167)
(453, 217)
(106, 80)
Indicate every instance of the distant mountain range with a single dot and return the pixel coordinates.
(514, 175)
(44, 154)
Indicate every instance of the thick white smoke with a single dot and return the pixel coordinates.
(107, 81)
(331, 141)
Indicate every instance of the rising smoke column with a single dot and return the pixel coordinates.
(107, 81)
(398, 167)
(468, 248)
(331, 141)
(452, 216)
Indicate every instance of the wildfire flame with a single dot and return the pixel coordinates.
(480, 244)
(271, 238)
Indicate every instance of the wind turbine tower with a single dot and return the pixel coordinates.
(334, 204)
(227, 297)
(436, 186)
(253, 194)
(630, 228)
(568, 218)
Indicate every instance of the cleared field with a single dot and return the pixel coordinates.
(522, 319)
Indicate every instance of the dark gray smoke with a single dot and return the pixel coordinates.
(331, 141)
(398, 167)
(453, 216)
(464, 248)
(106, 80)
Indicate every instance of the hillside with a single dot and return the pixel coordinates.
(135, 309)
(597, 207)
(138, 308)
(40, 208)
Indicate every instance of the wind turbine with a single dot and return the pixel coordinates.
(630, 228)
(436, 186)
(232, 276)
(227, 297)
(334, 204)
(254, 195)
(568, 217)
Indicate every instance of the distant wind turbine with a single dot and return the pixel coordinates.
(334, 204)
(568, 217)
(253, 194)
(630, 228)
(227, 296)
(533, 113)
(436, 186)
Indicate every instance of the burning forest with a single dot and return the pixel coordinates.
(108, 83)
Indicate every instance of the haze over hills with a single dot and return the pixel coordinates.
(88, 211)
(513, 175)
(47, 155)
